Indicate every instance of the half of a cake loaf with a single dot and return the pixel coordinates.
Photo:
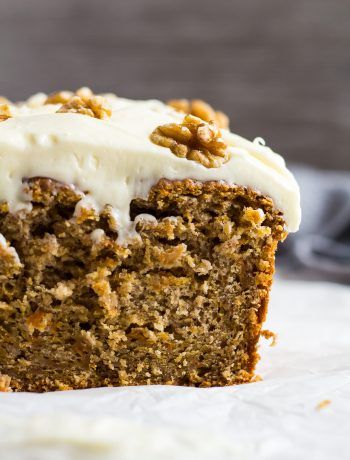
(137, 243)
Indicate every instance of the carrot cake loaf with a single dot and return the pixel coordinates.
(137, 243)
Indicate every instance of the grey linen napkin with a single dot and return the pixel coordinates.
(321, 248)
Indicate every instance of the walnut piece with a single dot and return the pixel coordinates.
(92, 106)
(84, 92)
(5, 112)
(4, 100)
(193, 139)
(62, 97)
(59, 97)
(83, 101)
(200, 109)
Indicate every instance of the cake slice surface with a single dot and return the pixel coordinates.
(137, 243)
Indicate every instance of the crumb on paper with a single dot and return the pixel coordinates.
(321, 405)
(256, 378)
(270, 335)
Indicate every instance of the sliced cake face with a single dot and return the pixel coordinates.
(137, 243)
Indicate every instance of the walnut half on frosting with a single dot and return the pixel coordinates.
(5, 112)
(200, 109)
(62, 97)
(59, 97)
(83, 101)
(4, 100)
(92, 106)
(193, 139)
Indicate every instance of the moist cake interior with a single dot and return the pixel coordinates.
(183, 304)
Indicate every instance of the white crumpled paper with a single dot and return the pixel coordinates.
(278, 418)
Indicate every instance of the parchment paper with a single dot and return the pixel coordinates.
(301, 409)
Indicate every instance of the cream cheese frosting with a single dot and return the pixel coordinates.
(115, 161)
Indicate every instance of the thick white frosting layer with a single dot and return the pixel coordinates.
(115, 161)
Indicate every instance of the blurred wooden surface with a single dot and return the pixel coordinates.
(280, 69)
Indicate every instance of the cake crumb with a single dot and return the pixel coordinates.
(62, 386)
(171, 257)
(125, 315)
(39, 320)
(97, 235)
(270, 335)
(9, 259)
(254, 216)
(89, 338)
(321, 405)
(62, 291)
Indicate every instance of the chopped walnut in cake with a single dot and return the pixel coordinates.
(5, 112)
(200, 109)
(193, 139)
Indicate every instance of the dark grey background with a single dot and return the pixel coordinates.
(279, 68)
